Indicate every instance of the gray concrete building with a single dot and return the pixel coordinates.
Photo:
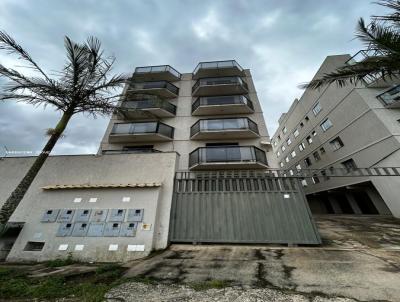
(186, 160)
(344, 127)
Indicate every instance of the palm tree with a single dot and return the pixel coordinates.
(381, 38)
(82, 86)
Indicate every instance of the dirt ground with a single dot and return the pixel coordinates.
(358, 261)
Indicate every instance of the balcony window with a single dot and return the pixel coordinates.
(227, 154)
(153, 87)
(391, 96)
(317, 109)
(326, 125)
(349, 165)
(142, 128)
(219, 81)
(160, 72)
(307, 161)
(289, 141)
(309, 140)
(302, 146)
(231, 102)
(336, 143)
(224, 125)
(296, 133)
(148, 102)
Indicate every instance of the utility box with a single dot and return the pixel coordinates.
(112, 229)
(99, 215)
(50, 215)
(135, 215)
(96, 229)
(128, 229)
(117, 215)
(66, 215)
(64, 230)
(82, 215)
(80, 229)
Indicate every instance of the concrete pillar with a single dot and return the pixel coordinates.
(335, 204)
(378, 202)
(388, 188)
(353, 203)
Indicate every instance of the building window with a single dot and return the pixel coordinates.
(279, 137)
(316, 156)
(349, 165)
(34, 246)
(278, 154)
(302, 146)
(283, 148)
(281, 164)
(313, 133)
(323, 173)
(306, 118)
(315, 179)
(275, 143)
(336, 144)
(284, 130)
(298, 167)
(287, 159)
(289, 141)
(307, 161)
(322, 150)
(301, 125)
(296, 133)
(317, 108)
(293, 154)
(326, 125)
(309, 140)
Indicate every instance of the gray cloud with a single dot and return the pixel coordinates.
(282, 42)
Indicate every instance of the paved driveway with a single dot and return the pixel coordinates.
(360, 259)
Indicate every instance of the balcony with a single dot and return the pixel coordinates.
(227, 157)
(228, 104)
(150, 105)
(219, 86)
(156, 73)
(218, 68)
(141, 132)
(227, 128)
(163, 89)
(391, 97)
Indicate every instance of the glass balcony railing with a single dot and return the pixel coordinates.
(222, 100)
(227, 154)
(157, 69)
(217, 65)
(148, 86)
(226, 124)
(391, 96)
(219, 81)
(149, 103)
(143, 128)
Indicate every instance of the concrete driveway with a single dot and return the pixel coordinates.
(360, 260)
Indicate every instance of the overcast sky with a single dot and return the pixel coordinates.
(283, 42)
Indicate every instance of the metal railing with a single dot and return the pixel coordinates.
(153, 85)
(217, 65)
(215, 81)
(222, 100)
(156, 69)
(148, 104)
(227, 154)
(143, 128)
(224, 124)
(390, 96)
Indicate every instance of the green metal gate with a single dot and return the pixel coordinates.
(240, 207)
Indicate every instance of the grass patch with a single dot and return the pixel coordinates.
(200, 286)
(15, 284)
(61, 262)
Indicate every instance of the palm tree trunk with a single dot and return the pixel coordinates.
(16, 196)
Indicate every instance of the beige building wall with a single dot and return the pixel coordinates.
(368, 130)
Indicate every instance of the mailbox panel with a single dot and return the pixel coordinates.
(80, 229)
(117, 215)
(96, 229)
(50, 215)
(65, 229)
(82, 215)
(99, 215)
(128, 229)
(112, 229)
(135, 215)
(66, 215)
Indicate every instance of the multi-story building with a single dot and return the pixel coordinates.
(212, 117)
(344, 127)
(186, 159)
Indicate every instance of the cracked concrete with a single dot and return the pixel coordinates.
(359, 261)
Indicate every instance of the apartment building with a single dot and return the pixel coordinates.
(185, 159)
(344, 127)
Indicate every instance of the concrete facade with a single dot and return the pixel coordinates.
(367, 134)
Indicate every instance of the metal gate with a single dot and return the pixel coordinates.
(240, 207)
